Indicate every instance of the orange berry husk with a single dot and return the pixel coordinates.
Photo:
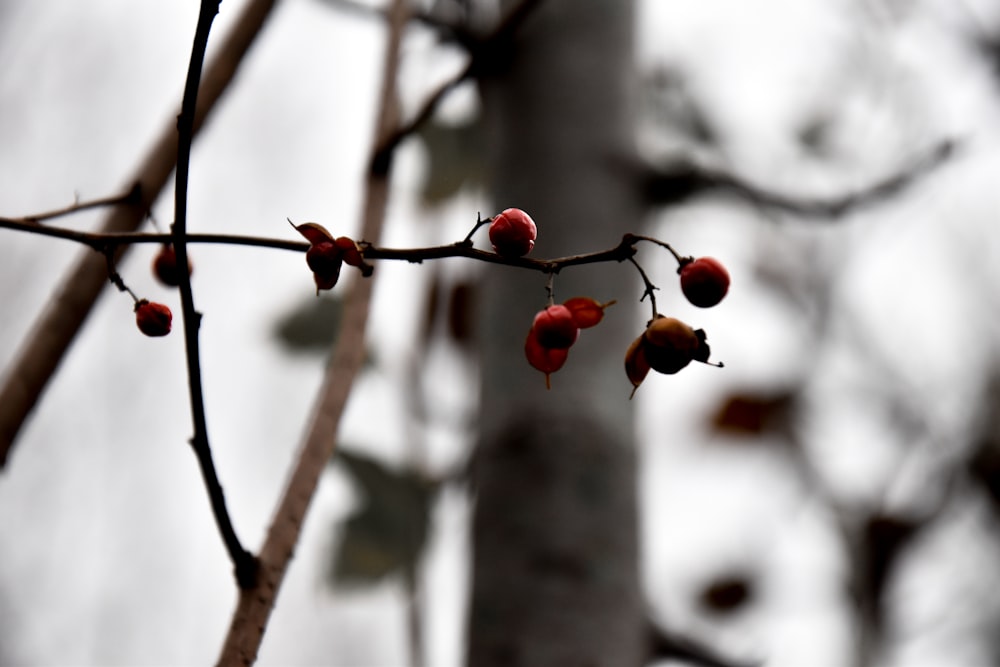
(545, 359)
(586, 312)
(350, 251)
(670, 345)
(153, 319)
(636, 365)
(314, 232)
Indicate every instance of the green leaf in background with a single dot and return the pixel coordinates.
(386, 533)
(311, 326)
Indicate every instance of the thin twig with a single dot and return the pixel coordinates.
(650, 287)
(254, 607)
(487, 50)
(132, 197)
(684, 180)
(56, 327)
(244, 563)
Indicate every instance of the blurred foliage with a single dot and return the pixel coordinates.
(387, 532)
(455, 161)
(311, 326)
(754, 413)
(728, 593)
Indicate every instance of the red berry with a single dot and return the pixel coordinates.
(153, 319)
(555, 328)
(704, 281)
(165, 266)
(325, 259)
(546, 359)
(513, 233)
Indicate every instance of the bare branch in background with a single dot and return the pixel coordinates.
(684, 180)
(57, 326)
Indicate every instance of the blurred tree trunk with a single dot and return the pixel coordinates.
(555, 530)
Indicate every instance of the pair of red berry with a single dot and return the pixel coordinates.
(152, 318)
(555, 329)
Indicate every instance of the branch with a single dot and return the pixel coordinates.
(132, 197)
(100, 242)
(244, 563)
(484, 55)
(685, 180)
(59, 322)
(254, 606)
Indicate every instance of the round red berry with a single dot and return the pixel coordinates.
(153, 319)
(513, 233)
(555, 328)
(325, 260)
(165, 266)
(704, 281)
(546, 359)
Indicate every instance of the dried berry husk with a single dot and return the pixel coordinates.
(669, 344)
(314, 232)
(636, 365)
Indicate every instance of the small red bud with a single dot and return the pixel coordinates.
(153, 319)
(513, 233)
(555, 328)
(704, 281)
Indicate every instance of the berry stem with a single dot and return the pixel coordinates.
(681, 260)
(550, 289)
(115, 277)
(649, 286)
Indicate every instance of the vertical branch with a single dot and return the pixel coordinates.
(244, 564)
(56, 327)
(254, 606)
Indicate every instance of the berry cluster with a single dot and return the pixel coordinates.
(666, 346)
(556, 328)
(327, 254)
(152, 318)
